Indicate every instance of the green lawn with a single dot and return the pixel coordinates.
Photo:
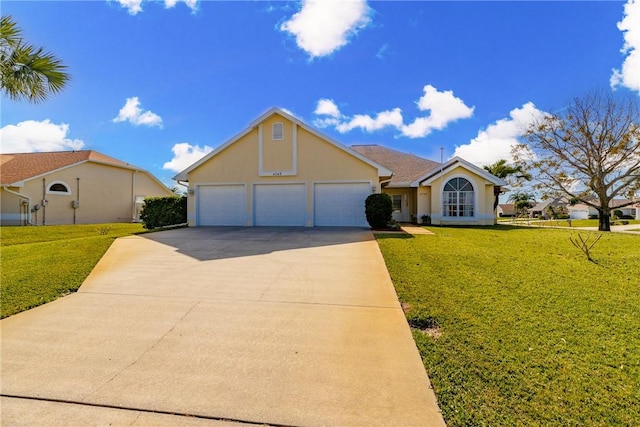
(561, 222)
(40, 264)
(529, 332)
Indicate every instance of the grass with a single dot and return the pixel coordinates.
(561, 222)
(529, 332)
(41, 264)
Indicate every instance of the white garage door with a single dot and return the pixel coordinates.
(222, 205)
(280, 204)
(578, 214)
(340, 204)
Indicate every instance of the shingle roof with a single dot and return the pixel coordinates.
(18, 167)
(406, 167)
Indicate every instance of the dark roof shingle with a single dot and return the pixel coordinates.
(406, 168)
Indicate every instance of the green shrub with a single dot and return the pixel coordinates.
(592, 217)
(378, 209)
(163, 211)
(617, 214)
(426, 219)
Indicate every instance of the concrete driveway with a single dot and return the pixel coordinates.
(221, 326)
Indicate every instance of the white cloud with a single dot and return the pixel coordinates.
(135, 6)
(629, 76)
(32, 136)
(443, 108)
(191, 4)
(326, 107)
(365, 122)
(132, 113)
(323, 26)
(497, 140)
(184, 155)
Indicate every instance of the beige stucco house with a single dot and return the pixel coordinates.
(72, 187)
(280, 171)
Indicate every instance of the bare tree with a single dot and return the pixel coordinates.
(589, 152)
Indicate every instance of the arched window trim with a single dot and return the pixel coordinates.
(457, 205)
(53, 183)
(277, 136)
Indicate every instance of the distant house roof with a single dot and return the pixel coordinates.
(18, 167)
(541, 206)
(406, 168)
(617, 202)
(507, 208)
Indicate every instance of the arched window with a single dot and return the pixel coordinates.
(458, 198)
(58, 187)
(277, 131)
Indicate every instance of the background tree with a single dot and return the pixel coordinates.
(522, 201)
(503, 170)
(27, 72)
(589, 152)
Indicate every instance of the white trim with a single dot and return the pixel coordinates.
(273, 131)
(277, 184)
(215, 184)
(126, 167)
(475, 186)
(294, 154)
(434, 174)
(313, 194)
(184, 175)
(59, 193)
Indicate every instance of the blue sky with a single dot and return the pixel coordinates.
(160, 83)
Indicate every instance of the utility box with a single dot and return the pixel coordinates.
(75, 204)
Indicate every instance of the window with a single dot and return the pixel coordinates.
(277, 131)
(397, 203)
(458, 198)
(58, 188)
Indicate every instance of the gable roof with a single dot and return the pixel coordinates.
(507, 208)
(18, 167)
(407, 168)
(432, 175)
(184, 175)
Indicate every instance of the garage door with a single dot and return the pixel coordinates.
(222, 205)
(340, 204)
(280, 204)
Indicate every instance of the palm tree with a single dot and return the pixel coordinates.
(503, 170)
(27, 72)
(522, 201)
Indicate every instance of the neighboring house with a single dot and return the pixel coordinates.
(581, 211)
(72, 187)
(506, 210)
(280, 171)
(629, 210)
(541, 209)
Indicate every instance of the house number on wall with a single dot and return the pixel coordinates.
(276, 174)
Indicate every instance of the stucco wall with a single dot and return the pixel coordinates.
(12, 211)
(312, 160)
(104, 194)
(483, 209)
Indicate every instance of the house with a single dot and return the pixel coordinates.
(541, 209)
(506, 210)
(581, 211)
(280, 171)
(454, 193)
(584, 211)
(72, 187)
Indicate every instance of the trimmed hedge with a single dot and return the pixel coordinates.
(378, 209)
(163, 211)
